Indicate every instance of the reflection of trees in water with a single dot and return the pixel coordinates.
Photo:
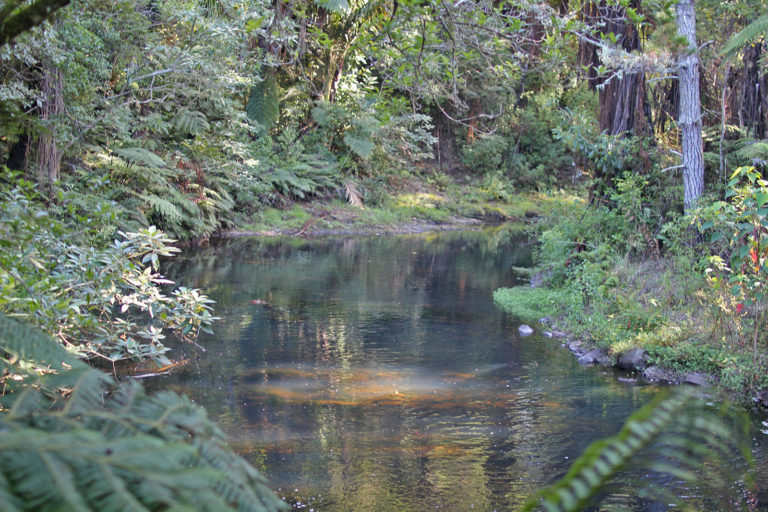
(378, 373)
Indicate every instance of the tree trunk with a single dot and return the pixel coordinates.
(690, 106)
(48, 152)
(622, 100)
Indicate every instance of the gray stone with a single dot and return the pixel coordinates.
(546, 320)
(604, 359)
(696, 379)
(525, 330)
(591, 357)
(656, 374)
(548, 334)
(634, 360)
(762, 399)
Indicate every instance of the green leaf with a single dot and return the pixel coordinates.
(361, 147)
(264, 101)
(335, 6)
(140, 156)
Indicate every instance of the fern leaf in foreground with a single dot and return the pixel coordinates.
(747, 35)
(112, 447)
(678, 425)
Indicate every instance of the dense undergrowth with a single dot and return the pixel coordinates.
(688, 289)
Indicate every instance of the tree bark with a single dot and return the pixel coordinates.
(690, 106)
(48, 151)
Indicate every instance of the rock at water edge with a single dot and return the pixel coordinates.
(633, 360)
(656, 374)
(525, 330)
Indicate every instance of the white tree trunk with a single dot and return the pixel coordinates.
(689, 118)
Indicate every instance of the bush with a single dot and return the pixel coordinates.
(105, 302)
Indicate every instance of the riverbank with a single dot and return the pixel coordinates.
(659, 316)
(416, 205)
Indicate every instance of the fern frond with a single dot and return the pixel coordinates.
(165, 208)
(139, 156)
(29, 344)
(354, 196)
(746, 36)
(754, 150)
(190, 121)
(334, 6)
(263, 104)
(361, 147)
(687, 433)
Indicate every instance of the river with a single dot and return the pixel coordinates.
(375, 374)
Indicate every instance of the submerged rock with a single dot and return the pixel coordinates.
(525, 330)
(634, 360)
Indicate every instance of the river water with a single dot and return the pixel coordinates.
(375, 374)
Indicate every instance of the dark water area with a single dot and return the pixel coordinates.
(375, 374)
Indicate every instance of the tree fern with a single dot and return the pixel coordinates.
(112, 447)
(746, 36)
(679, 425)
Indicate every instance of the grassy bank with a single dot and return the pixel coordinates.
(416, 203)
(614, 293)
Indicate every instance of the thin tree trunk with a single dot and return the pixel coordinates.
(48, 152)
(690, 106)
(723, 119)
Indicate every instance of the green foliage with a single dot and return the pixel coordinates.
(687, 436)
(747, 35)
(190, 121)
(531, 304)
(264, 101)
(486, 154)
(739, 273)
(101, 301)
(108, 446)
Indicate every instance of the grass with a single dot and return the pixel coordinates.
(417, 199)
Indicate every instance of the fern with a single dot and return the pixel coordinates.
(140, 156)
(264, 101)
(190, 121)
(112, 447)
(746, 36)
(359, 146)
(754, 151)
(678, 424)
(335, 6)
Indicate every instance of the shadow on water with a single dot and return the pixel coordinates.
(375, 373)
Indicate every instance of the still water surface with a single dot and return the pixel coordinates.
(375, 374)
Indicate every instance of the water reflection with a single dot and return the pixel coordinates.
(375, 373)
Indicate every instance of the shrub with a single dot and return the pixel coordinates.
(105, 302)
